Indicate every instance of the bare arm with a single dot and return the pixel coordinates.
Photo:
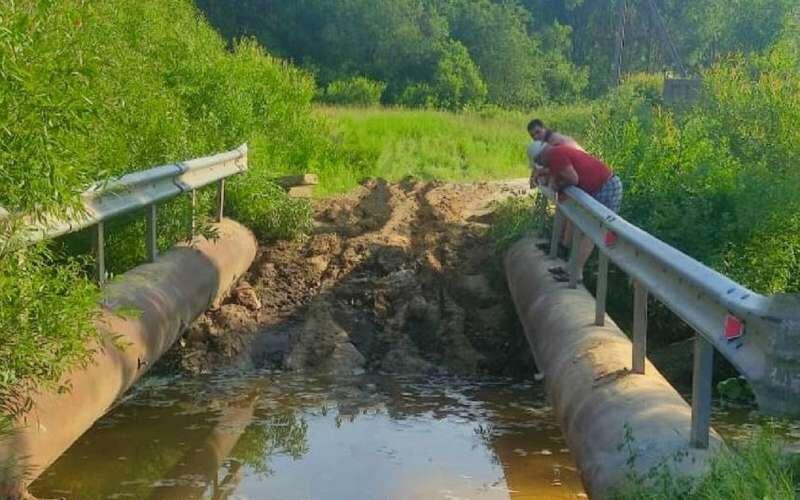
(540, 176)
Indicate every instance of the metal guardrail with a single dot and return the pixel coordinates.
(144, 189)
(759, 335)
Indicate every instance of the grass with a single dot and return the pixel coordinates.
(517, 217)
(94, 89)
(393, 143)
(754, 469)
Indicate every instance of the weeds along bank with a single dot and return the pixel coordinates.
(756, 468)
(91, 89)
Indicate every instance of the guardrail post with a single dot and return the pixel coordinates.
(639, 327)
(220, 200)
(152, 233)
(701, 391)
(602, 289)
(574, 256)
(100, 253)
(558, 230)
(194, 211)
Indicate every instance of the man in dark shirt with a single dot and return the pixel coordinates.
(566, 166)
(539, 132)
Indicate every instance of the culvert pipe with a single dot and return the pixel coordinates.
(144, 311)
(616, 423)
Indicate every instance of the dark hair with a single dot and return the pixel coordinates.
(535, 123)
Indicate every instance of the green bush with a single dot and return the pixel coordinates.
(94, 89)
(262, 206)
(128, 91)
(518, 217)
(419, 95)
(357, 91)
(457, 81)
(648, 86)
(716, 181)
(46, 321)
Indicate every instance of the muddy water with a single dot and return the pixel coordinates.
(286, 436)
(737, 423)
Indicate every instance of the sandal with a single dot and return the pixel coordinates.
(561, 275)
(557, 270)
(564, 278)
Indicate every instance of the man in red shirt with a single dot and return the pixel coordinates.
(566, 166)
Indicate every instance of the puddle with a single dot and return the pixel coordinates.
(287, 436)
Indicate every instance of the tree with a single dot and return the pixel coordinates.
(509, 59)
(526, 51)
(457, 81)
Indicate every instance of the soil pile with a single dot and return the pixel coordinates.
(397, 278)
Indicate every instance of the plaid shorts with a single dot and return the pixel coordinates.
(610, 194)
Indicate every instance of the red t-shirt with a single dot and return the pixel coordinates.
(592, 173)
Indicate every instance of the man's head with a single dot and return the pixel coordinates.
(536, 150)
(537, 129)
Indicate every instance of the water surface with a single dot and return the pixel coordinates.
(287, 436)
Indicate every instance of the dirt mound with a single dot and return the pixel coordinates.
(397, 278)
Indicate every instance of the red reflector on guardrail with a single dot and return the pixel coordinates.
(610, 238)
(734, 327)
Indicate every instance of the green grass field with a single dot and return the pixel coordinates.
(393, 143)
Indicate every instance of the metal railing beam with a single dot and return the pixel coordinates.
(107, 200)
(137, 190)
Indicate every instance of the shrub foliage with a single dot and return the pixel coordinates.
(718, 181)
(356, 91)
(95, 89)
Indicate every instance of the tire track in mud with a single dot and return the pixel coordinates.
(398, 278)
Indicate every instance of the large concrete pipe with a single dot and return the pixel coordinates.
(144, 312)
(616, 422)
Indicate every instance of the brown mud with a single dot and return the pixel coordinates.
(397, 278)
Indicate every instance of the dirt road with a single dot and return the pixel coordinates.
(396, 278)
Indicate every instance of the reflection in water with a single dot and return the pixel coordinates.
(738, 423)
(287, 436)
(202, 465)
